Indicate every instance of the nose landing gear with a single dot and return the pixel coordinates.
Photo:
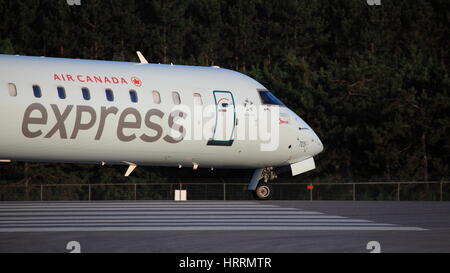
(262, 190)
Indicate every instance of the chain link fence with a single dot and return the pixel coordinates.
(394, 191)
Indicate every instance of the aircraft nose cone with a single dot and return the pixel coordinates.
(307, 135)
(316, 144)
(319, 145)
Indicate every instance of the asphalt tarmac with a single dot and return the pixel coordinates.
(225, 226)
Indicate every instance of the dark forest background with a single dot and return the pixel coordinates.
(372, 81)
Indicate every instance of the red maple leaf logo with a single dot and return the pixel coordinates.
(136, 81)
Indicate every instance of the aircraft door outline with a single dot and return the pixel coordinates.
(224, 127)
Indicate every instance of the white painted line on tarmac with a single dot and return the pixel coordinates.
(163, 223)
(131, 217)
(212, 228)
(173, 216)
(129, 221)
(249, 212)
(149, 209)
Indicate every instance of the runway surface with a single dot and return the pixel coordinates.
(224, 226)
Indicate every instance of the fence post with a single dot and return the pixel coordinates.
(89, 196)
(224, 192)
(135, 193)
(398, 191)
(354, 192)
(441, 192)
(41, 192)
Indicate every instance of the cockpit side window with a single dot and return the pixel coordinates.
(269, 98)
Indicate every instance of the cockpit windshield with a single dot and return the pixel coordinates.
(269, 98)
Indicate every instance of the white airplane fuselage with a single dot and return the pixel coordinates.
(88, 128)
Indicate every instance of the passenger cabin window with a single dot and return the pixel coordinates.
(268, 98)
(86, 93)
(176, 98)
(12, 90)
(156, 97)
(61, 92)
(37, 91)
(133, 96)
(109, 95)
(198, 99)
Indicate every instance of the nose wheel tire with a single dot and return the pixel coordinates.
(263, 191)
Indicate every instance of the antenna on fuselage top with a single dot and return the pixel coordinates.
(141, 58)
